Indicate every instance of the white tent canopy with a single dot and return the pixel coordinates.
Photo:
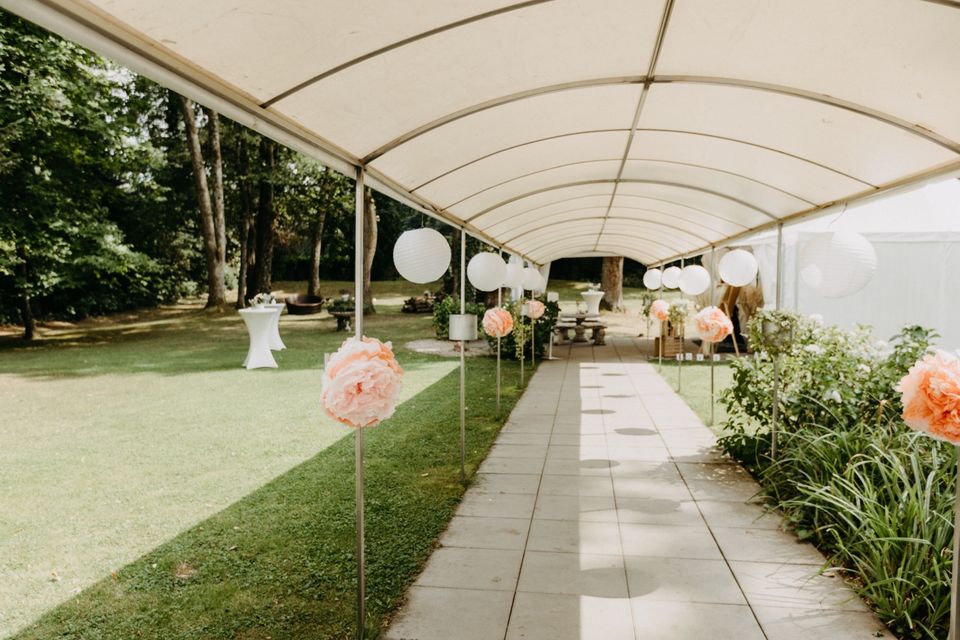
(916, 236)
(554, 128)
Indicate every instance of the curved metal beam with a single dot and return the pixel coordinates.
(397, 45)
(633, 220)
(628, 252)
(679, 185)
(698, 212)
(651, 160)
(555, 217)
(794, 92)
(494, 103)
(574, 238)
(626, 131)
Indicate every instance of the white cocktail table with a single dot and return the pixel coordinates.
(259, 325)
(276, 344)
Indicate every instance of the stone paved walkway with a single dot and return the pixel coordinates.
(603, 512)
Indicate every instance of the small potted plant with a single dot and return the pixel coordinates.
(773, 330)
(261, 299)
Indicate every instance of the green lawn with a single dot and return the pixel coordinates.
(694, 378)
(201, 500)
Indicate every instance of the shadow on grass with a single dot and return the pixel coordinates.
(280, 562)
(173, 341)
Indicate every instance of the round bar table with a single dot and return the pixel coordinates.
(276, 344)
(259, 325)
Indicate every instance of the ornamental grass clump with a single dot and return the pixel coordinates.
(851, 477)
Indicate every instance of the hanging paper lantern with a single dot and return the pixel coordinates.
(531, 279)
(651, 279)
(694, 280)
(513, 275)
(738, 268)
(421, 255)
(534, 309)
(486, 271)
(671, 277)
(660, 309)
(837, 264)
(361, 382)
(542, 284)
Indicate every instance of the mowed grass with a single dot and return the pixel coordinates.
(121, 436)
(694, 379)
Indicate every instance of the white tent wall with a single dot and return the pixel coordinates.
(916, 236)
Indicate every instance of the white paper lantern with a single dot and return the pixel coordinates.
(542, 282)
(651, 279)
(738, 268)
(486, 271)
(513, 276)
(837, 264)
(694, 280)
(531, 279)
(421, 255)
(671, 277)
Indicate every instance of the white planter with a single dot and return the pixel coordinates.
(592, 298)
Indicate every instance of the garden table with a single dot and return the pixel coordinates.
(259, 325)
(276, 344)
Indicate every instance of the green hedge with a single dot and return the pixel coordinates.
(850, 476)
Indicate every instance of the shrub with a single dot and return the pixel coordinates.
(850, 476)
(544, 331)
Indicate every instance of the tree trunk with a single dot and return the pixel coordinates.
(217, 291)
(266, 222)
(316, 246)
(216, 161)
(26, 311)
(612, 283)
(246, 231)
(369, 247)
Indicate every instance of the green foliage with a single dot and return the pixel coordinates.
(341, 305)
(443, 309)
(850, 476)
(772, 330)
(680, 310)
(522, 329)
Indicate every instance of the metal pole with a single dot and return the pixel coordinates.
(776, 359)
(660, 324)
(954, 605)
(499, 304)
(358, 449)
(463, 381)
(713, 346)
(682, 350)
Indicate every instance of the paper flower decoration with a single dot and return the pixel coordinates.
(713, 325)
(660, 309)
(361, 382)
(931, 396)
(497, 322)
(535, 309)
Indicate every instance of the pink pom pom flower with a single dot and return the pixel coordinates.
(361, 382)
(713, 325)
(536, 309)
(497, 322)
(930, 393)
(660, 309)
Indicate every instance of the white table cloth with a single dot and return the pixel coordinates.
(260, 324)
(276, 344)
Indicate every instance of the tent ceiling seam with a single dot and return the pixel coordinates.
(667, 183)
(396, 45)
(573, 240)
(637, 221)
(630, 195)
(651, 70)
(621, 217)
(652, 160)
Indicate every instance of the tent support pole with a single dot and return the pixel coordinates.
(358, 237)
(682, 343)
(954, 633)
(463, 381)
(660, 324)
(776, 359)
(713, 345)
(499, 304)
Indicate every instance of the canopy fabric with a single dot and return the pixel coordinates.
(651, 129)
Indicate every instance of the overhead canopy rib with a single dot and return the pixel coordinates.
(646, 128)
